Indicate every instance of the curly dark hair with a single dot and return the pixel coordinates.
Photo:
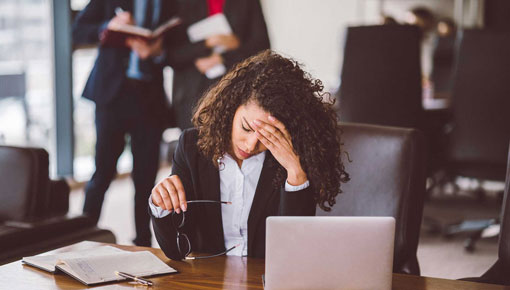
(280, 87)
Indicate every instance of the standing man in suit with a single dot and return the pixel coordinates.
(128, 91)
(190, 61)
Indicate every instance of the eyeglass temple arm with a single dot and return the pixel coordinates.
(209, 201)
(212, 256)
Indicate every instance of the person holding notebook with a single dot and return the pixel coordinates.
(127, 90)
(266, 142)
(195, 62)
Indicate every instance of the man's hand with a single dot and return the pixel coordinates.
(121, 19)
(226, 41)
(145, 49)
(205, 63)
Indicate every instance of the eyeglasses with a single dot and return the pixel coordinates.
(183, 243)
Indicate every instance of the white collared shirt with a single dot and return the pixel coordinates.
(238, 186)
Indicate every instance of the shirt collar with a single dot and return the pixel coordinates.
(253, 159)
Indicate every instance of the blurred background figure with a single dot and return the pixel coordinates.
(130, 100)
(191, 60)
(388, 20)
(426, 21)
(443, 57)
(422, 17)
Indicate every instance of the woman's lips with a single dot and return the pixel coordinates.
(243, 154)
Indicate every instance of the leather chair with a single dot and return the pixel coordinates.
(481, 124)
(381, 76)
(387, 170)
(33, 208)
(498, 273)
(381, 84)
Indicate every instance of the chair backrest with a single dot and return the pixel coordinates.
(498, 272)
(504, 237)
(480, 101)
(381, 76)
(26, 192)
(12, 85)
(387, 179)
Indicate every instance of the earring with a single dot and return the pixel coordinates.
(221, 165)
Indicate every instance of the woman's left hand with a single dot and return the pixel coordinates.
(273, 134)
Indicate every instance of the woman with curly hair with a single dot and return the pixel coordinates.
(265, 144)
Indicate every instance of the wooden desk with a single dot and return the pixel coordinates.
(221, 272)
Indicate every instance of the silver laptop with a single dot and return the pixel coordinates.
(329, 252)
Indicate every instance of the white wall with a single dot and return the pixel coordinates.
(312, 32)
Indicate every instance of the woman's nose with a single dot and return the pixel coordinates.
(251, 143)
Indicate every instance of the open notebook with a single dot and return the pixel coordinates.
(98, 265)
(116, 36)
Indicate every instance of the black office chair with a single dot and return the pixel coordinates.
(381, 82)
(481, 122)
(498, 273)
(381, 76)
(387, 179)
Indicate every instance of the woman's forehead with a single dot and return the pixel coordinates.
(252, 110)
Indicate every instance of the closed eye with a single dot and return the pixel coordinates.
(249, 129)
(245, 129)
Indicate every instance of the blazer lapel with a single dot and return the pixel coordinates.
(231, 10)
(263, 194)
(210, 187)
(198, 11)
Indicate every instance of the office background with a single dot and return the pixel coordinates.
(47, 110)
(312, 34)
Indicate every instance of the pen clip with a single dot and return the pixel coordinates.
(119, 10)
(134, 278)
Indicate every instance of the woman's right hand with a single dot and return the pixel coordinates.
(169, 194)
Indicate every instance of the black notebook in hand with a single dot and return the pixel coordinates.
(116, 35)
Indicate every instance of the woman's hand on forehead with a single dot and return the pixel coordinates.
(273, 134)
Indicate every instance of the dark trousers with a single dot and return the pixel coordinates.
(135, 112)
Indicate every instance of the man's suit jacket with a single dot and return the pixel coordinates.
(203, 223)
(109, 70)
(248, 24)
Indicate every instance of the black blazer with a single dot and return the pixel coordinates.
(109, 70)
(247, 22)
(203, 223)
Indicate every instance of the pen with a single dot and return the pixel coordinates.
(118, 10)
(134, 278)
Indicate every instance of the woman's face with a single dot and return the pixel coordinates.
(244, 140)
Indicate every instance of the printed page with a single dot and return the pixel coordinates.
(99, 269)
(213, 25)
(48, 262)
